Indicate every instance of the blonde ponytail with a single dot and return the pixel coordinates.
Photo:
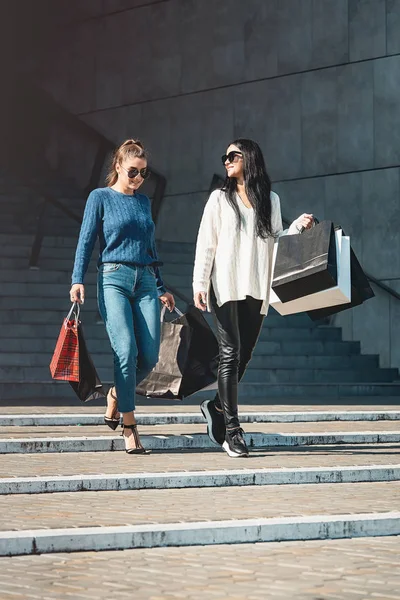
(129, 149)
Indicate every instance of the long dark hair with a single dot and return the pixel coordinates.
(257, 184)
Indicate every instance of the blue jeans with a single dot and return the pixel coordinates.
(130, 308)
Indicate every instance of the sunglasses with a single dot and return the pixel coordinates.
(133, 172)
(231, 156)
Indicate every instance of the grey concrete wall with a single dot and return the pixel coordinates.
(315, 82)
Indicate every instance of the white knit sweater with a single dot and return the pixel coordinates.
(236, 261)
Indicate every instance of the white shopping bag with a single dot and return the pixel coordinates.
(339, 294)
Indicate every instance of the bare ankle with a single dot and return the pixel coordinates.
(129, 418)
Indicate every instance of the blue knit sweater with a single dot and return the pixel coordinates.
(125, 228)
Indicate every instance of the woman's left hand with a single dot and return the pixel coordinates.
(168, 300)
(305, 220)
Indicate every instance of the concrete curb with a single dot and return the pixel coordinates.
(318, 527)
(190, 479)
(195, 418)
(192, 441)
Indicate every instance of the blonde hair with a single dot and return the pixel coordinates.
(129, 149)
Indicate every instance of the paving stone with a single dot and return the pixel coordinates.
(296, 570)
(191, 417)
(190, 439)
(28, 465)
(275, 428)
(192, 405)
(107, 509)
(198, 479)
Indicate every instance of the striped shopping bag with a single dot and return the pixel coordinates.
(65, 362)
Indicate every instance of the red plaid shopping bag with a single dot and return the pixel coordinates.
(65, 362)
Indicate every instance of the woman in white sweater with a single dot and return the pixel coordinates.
(232, 276)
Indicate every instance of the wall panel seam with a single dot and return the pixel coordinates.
(233, 85)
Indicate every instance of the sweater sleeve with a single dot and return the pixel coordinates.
(87, 237)
(206, 245)
(160, 284)
(277, 218)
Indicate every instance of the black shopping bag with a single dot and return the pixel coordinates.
(164, 381)
(188, 358)
(202, 364)
(360, 291)
(306, 263)
(89, 386)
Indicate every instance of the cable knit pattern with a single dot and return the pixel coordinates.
(126, 232)
(238, 263)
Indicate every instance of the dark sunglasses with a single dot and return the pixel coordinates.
(231, 156)
(133, 172)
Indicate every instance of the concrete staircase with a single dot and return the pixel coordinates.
(322, 466)
(294, 357)
(67, 486)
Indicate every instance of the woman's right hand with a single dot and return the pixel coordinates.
(77, 293)
(200, 300)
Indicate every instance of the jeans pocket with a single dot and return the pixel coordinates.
(152, 270)
(109, 268)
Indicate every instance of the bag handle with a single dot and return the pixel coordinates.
(302, 228)
(163, 311)
(75, 310)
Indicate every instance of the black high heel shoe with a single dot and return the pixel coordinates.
(139, 449)
(111, 421)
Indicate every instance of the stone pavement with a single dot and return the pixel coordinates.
(13, 465)
(359, 569)
(137, 507)
(273, 428)
(149, 406)
(363, 568)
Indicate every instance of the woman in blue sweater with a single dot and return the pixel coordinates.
(129, 281)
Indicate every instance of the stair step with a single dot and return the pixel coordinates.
(38, 443)
(30, 335)
(13, 390)
(175, 258)
(58, 252)
(42, 330)
(36, 352)
(25, 348)
(52, 308)
(65, 265)
(16, 224)
(38, 316)
(312, 348)
(288, 333)
(59, 291)
(62, 265)
(27, 239)
(42, 277)
(106, 373)
(319, 375)
(314, 362)
(177, 247)
(198, 479)
(77, 419)
(89, 312)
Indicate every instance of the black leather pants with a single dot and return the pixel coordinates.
(238, 326)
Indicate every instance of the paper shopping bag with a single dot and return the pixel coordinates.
(337, 294)
(360, 292)
(64, 364)
(188, 358)
(305, 263)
